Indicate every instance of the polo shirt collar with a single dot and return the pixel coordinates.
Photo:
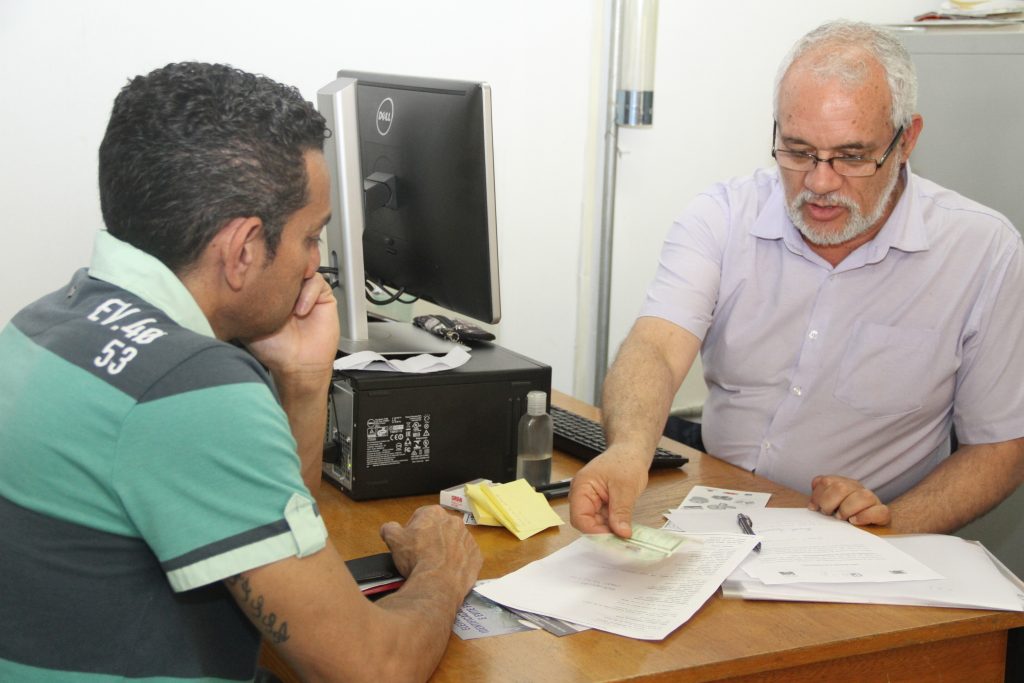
(904, 230)
(142, 274)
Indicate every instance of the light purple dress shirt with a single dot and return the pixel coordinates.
(857, 370)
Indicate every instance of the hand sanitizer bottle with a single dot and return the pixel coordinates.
(533, 460)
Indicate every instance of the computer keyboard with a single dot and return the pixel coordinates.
(583, 438)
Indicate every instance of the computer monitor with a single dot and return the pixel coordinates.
(413, 203)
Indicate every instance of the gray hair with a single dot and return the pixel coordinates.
(841, 46)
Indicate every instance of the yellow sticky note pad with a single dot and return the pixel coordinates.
(520, 509)
(481, 505)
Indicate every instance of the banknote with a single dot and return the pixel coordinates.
(646, 543)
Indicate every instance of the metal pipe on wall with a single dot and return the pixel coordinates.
(611, 143)
(630, 103)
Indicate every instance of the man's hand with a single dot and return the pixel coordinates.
(604, 491)
(433, 539)
(308, 340)
(847, 499)
(315, 600)
(651, 364)
(300, 356)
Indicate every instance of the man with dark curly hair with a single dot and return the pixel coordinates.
(162, 417)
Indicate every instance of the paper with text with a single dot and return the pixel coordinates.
(712, 498)
(479, 617)
(800, 546)
(632, 598)
(972, 580)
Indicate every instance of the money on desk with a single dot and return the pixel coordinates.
(646, 543)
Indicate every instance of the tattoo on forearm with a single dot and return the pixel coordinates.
(268, 621)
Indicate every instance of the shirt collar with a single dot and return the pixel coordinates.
(142, 274)
(903, 230)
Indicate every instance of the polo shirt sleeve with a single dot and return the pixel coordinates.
(989, 399)
(686, 283)
(207, 471)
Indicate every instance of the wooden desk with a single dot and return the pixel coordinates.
(727, 639)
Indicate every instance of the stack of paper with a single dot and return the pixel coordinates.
(515, 506)
(971, 578)
(808, 556)
(621, 593)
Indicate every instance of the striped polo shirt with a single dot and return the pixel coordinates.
(142, 461)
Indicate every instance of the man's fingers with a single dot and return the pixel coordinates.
(388, 531)
(876, 514)
(855, 501)
(620, 509)
(314, 290)
(620, 516)
(828, 493)
(848, 500)
(586, 509)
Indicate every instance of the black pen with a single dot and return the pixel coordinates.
(564, 483)
(560, 492)
(748, 528)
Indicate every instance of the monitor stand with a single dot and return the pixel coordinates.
(390, 338)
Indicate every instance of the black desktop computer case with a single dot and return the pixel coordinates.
(397, 434)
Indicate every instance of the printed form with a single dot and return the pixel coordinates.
(800, 546)
(587, 584)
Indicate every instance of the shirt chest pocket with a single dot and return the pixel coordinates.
(885, 370)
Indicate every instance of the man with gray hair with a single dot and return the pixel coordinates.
(850, 315)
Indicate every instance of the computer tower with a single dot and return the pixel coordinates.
(397, 434)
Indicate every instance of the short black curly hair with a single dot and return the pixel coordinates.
(191, 146)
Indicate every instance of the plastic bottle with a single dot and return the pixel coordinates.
(533, 460)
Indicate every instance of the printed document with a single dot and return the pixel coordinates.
(585, 584)
(712, 498)
(800, 546)
(974, 579)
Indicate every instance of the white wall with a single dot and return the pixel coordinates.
(62, 62)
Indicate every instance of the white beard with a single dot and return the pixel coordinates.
(857, 224)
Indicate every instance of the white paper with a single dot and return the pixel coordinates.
(973, 579)
(370, 360)
(800, 546)
(711, 498)
(630, 598)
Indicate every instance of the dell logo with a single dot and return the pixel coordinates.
(385, 112)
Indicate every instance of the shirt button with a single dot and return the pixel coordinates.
(797, 391)
(813, 334)
(767, 445)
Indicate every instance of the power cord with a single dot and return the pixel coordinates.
(371, 286)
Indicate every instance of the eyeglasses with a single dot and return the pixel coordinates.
(858, 167)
